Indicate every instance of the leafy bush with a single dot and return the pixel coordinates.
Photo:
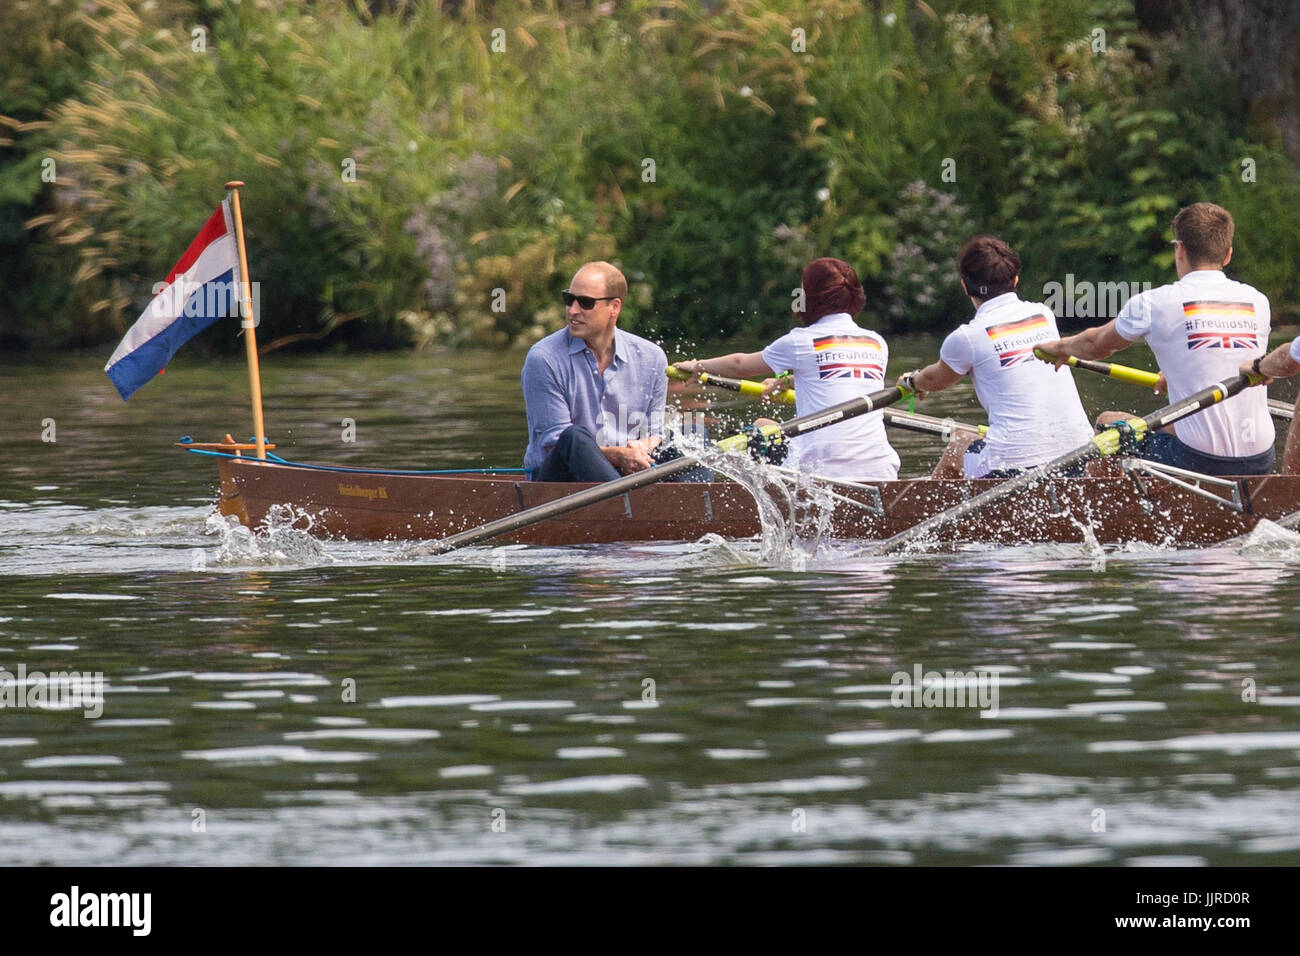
(421, 173)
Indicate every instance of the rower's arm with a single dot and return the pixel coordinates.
(735, 365)
(934, 378)
(1279, 363)
(1099, 342)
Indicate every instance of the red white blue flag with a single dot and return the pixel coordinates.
(201, 288)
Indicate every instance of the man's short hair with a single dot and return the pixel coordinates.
(615, 281)
(1205, 230)
(988, 266)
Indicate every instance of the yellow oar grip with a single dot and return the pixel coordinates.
(1109, 440)
(786, 395)
(1134, 376)
(742, 386)
(741, 442)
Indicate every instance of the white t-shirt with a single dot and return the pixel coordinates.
(1034, 410)
(834, 360)
(1295, 349)
(1201, 328)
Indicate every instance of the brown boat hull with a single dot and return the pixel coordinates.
(1112, 510)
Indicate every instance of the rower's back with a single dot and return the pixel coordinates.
(1034, 410)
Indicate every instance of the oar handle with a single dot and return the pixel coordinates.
(1134, 376)
(744, 386)
(827, 416)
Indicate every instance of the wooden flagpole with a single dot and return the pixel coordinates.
(249, 322)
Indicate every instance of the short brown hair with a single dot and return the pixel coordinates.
(615, 281)
(988, 266)
(1205, 230)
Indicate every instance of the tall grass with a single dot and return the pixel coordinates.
(428, 174)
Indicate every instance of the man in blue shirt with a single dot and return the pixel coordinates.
(594, 393)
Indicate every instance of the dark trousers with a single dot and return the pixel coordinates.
(577, 457)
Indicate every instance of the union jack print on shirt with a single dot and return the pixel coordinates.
(1015, 357)
(848, 356)
(1221, 340)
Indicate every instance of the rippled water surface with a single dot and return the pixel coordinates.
(274, 699)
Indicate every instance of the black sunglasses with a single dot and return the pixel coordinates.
(587, 302)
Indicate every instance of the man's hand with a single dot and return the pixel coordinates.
(691, 366)
(1056, 349)
(907, 381)
(773, 385)
(632, 457)
(1252, 368)
(1161, 386)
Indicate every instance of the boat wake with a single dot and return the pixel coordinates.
(1270, 541)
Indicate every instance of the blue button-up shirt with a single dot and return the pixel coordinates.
(563, 387)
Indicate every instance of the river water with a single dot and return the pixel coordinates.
(272, 699)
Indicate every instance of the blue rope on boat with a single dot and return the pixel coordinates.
(367, 471)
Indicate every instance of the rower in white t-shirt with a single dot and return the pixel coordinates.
(1202, 329)
(833, 360)
(1034, 414)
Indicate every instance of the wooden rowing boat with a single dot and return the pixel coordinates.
(1137, 503)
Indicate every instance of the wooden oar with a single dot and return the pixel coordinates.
(618, 486)
(899, 419)
(1137, 376)
(1108, 442)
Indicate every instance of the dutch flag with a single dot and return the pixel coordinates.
(201, 288)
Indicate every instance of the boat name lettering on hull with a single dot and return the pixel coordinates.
(356, 491)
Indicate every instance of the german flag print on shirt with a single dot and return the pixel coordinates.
(849, 356)
(1014, 341)
(1220, 325)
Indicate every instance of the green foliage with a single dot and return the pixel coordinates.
(421, 173)
(931, 228)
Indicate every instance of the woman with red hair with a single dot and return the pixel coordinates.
(832, 359)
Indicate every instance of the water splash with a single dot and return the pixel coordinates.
(284, 538)
(1090, 544)
(1270, 540)
(794, 510)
